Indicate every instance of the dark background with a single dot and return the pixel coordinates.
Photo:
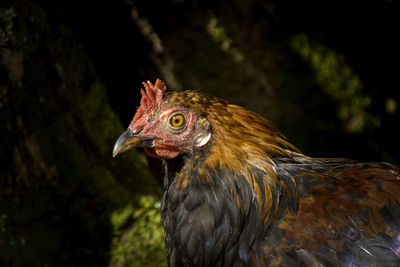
(324, 72)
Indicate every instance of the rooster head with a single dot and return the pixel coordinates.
(164, 125)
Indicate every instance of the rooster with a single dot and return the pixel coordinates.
(237, 193)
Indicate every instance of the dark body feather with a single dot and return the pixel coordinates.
(348, 215)
(249, 198)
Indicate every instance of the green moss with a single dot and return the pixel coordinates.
(138, 235)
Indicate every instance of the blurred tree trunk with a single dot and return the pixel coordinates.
(60, 189)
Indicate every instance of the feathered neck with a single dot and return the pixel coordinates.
(248, 144)
(241, 135)
(242, 142)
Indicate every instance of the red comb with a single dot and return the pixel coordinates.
(151, 96)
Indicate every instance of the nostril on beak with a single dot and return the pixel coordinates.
(136, 130)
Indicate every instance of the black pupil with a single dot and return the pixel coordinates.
(177, 120)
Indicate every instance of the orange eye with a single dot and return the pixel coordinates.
(177, 120)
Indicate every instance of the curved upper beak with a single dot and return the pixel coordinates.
(129, 140)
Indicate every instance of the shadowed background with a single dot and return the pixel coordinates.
(325, 73)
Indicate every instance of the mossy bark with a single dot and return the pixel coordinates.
(59, 186)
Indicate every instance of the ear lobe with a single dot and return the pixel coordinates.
(202, 133)
(202, 139)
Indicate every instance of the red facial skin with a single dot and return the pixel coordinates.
(173, 141)
(153, 119)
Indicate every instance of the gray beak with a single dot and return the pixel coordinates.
(128, 140)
